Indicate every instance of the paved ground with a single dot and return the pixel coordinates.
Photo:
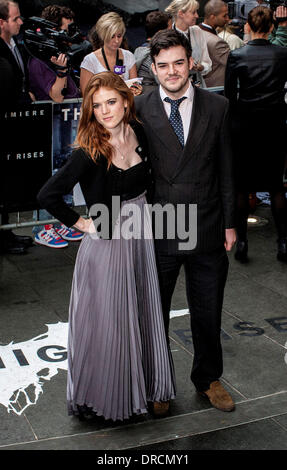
(34, 293)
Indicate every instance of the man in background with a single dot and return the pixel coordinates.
(215, 15)
(14, 92)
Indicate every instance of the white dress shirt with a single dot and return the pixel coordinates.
(185, 108)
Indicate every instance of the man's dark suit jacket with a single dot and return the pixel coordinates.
(201, 173)
(11, 79)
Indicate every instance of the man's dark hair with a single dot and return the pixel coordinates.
(56, 13)
(213, 7)
(166, 39)
(155, 21)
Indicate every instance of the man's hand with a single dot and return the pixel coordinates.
(197, 66)
(136, 89)
(281, 12)
(32, 96)
(61, 61)
(230, 238)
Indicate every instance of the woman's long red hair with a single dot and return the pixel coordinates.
(92, 136)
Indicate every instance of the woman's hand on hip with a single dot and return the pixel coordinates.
(85, 225)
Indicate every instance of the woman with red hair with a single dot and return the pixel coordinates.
(118, 359)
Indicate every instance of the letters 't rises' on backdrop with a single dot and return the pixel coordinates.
(25, 155)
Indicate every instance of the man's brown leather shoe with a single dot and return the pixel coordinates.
(219, 397)
(160, 408)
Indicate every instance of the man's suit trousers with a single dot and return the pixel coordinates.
(205, 275)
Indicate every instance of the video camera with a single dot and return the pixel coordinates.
(275, 3)
(42, 40)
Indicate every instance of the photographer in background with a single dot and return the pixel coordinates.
(51, 79)
(60, 15)
(14, 91)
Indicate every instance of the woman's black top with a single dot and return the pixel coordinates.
(128, 183)
(98, 183)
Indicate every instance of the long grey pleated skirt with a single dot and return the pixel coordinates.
(118, 359)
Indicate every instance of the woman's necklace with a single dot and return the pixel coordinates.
(122, 155)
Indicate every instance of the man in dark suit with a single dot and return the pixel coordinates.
(13, 92)
(187, 129)
(14, 83)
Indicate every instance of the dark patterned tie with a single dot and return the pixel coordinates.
(175, 118)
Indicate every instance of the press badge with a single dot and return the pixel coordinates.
(119, 69)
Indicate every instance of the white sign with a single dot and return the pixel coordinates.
(26, 366)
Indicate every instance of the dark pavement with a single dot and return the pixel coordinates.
(34, 293)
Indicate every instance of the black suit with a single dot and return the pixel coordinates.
(261, 70)
(201, 174)
(13, 93)
(13, 82)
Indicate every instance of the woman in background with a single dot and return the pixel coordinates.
(254, 83)
(227, 33)
(118, 359)
(110, 29)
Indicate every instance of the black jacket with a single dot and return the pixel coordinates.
(261, 68)
(201, 173)
(14, 85)
(80, 168)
